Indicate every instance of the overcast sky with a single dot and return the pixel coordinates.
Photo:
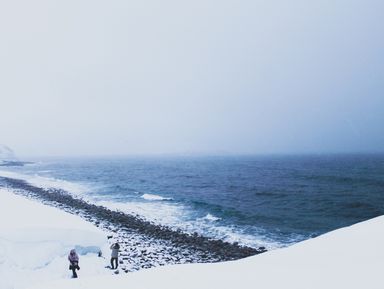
(91, 77)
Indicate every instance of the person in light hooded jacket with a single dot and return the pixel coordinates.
(115, 254)
(73, 259)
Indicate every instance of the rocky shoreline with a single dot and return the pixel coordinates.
(144, 244)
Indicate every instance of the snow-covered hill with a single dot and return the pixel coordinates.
(35, 239)
(350, 258)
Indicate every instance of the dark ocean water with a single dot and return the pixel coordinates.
(270, 200)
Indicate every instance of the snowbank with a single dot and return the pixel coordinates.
(35, 240)
(351, 257)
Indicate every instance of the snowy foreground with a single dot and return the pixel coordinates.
(35, 240)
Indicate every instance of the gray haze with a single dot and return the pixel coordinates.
(91, 77)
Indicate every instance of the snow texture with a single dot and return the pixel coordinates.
(351, 257)
(35, 239)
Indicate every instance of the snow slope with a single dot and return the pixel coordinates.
(351, 257)
(35, 240)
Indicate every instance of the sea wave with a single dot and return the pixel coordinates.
(211, 218)
(174, 215)
(153, 197)
(178, 217)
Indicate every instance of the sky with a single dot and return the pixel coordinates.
(92, 77)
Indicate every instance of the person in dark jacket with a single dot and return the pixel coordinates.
(73, 259)
(115, 254)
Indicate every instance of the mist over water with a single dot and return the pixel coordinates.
(271, 200)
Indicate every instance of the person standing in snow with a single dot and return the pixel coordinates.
(115, 254)
(73, 259)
